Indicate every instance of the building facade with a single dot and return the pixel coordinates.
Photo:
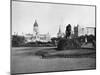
(79, 31)
(60, 34)
(36, 36)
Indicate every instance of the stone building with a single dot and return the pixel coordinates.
(80, 31)
(36, 36)
(60, 34)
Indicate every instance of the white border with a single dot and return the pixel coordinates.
(5, 37)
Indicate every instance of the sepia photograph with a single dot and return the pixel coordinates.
(52, 37)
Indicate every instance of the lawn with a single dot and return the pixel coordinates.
(26, 60)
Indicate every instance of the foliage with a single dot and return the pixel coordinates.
(54, 40)
(17, 40)
(64, 44)
(92, 39)
(68, 30)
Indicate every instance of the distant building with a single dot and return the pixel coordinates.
(90, 30)
(60, 34)
(72, 34)
(79, 31)
(76, 31)
(36, 36)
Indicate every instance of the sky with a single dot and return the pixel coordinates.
(50, 17)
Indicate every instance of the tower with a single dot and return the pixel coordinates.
(36, 30)
(76, 31)
(59, 34)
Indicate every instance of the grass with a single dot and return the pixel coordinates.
(25, 60)
(74, 53)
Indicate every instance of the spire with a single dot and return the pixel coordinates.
(59, 34)
(59, 29)
(35, 28)
(35, 24)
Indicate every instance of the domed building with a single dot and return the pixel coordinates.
(36, 36)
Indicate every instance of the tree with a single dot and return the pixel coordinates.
(17, 40)
(68, 31)
(65, 44)
(54, 39)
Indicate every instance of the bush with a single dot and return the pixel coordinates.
(64, 44)
(17, 40)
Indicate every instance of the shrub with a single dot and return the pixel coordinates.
(64, 44)
(17, 40)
